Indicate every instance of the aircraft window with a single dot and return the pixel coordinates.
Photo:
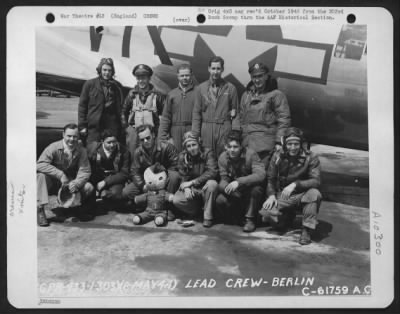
(352, 42)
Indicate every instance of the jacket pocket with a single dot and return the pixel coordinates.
(95, 97)
(93, 93)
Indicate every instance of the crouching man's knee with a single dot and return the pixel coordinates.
(221, 201)
(311, 196)
(174, 180)
(179, 199)
(212, 185)
(256, 192)
(40, 177)
(87, 190)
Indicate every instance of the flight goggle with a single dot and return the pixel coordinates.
(284, 139)
(107, 60)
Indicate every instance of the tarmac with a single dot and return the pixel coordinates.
(111, 250)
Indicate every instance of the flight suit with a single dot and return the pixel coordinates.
(176, 119)
(212, 118)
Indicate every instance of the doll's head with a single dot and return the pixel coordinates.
(155, 177)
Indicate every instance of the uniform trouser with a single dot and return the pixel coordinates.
(213, 135)
(205, 199)
(265, 157)
(114, 199)
(308, 201)
(115, 192)
(149, 215)
(177, 132)
(131, 190)
(47, 185)
(232, 208)
(131, 139)
(91, 147)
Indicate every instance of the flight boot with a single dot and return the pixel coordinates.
(86, 212)
(305, 237)
(207, 223)
(249, 225)
(41, 217)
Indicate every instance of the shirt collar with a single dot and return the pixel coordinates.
(219, 83)
(188, 88)
(106, 152)
(200, 156)
(156, 148)
(66, 148)
(147, 92)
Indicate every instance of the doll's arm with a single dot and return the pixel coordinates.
(169, 197)
(140, 199)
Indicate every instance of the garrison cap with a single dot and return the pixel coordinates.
(258, 68)
(142, 69)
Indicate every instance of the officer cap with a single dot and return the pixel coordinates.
(258, 68)
(141, 69)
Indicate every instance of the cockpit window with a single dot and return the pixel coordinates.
(352, 42)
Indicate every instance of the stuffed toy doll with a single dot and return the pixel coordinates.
(156, 198)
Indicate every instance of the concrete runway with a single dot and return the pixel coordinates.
(111, 256)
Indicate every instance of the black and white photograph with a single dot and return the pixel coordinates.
(206, 160)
